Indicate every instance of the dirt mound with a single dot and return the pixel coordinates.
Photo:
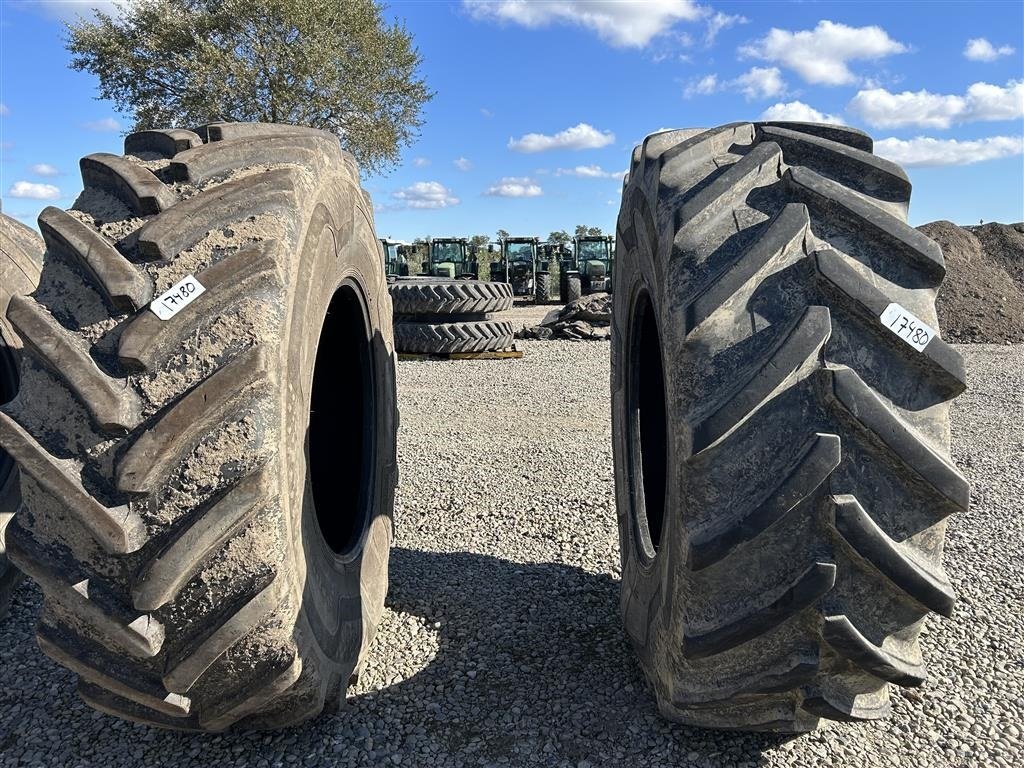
(982, 298)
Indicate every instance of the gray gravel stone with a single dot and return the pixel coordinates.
(501, 643)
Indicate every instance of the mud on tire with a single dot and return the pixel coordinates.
(781, 456)
(210, 555)
(21, 252)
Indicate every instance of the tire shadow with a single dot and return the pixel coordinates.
(497, 663)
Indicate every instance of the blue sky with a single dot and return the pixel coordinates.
(538, 104)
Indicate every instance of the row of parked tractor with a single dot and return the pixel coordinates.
(583, 267)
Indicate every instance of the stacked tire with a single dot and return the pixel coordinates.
(781, 429)
(436, 316)
(21, 252)
(208, 476)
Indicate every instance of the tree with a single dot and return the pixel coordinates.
(582, 230)
(479, 240)
(502, 234)
(329, 64)
(561, 237)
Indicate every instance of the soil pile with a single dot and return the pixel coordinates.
(981, 300)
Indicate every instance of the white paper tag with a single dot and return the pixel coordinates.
(180, 295)
(907, 326)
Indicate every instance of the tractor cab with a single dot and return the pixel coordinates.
(396, 263)
(452, 258)
(520, 265)
(594, 257)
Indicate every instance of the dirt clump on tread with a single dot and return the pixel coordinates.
(982, 298)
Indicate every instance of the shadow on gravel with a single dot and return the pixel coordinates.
(531, 668)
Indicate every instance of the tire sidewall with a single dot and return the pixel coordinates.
(342, 596)
(645, 591)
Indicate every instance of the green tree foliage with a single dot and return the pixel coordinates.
(479, 240)
(582, 230)
(502, 234)
(561, 237)
(331, 64)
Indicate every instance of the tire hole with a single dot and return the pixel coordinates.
(648, 443)
(342, 423)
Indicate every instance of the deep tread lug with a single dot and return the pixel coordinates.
(195, 542)
(812, 585)
(117, 529)
(846, 640)
(831, 200)
(124, 287)
(113, 407)
(181, 227)
(165, 143)
(930, 588)
(161, 447)
(148, 340)
(132, 184)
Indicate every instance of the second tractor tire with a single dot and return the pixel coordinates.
(208, 493)
(21, 253)
(781, 453)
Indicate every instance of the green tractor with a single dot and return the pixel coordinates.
(396, 263)
(451, 257)
(520, 266)
(588, 269)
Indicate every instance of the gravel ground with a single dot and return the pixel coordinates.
(501, 644)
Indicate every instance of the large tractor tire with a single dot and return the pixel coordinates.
(208, 497)
(436, 296)
(21, 252)
(451, 338)
(780, 413)
(542, 291)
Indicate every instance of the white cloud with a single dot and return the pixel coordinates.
(514, 186)
(621, 24)
(590, 172)
(761, 83)
(44, 169)
(925, 151)
(72, 10)
(106, 125)
(463, 164)
(798, 112)
(980, 49)
(426, 194)
(757, 83)
(982, 102)
(33, 191)
(421, 162)
(718, 21)
(821, 55)
(486, 112)
(701, 87)
(4, 111)
(580, 136)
